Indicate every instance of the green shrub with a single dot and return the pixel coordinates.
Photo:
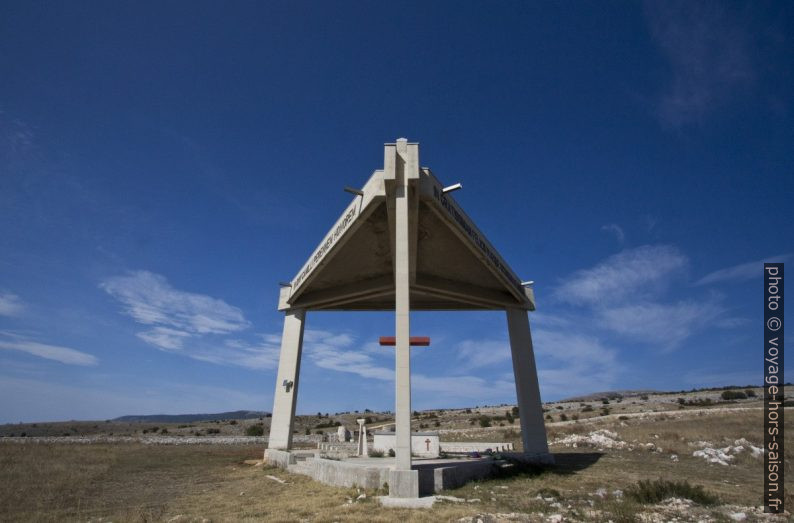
(733, 395)
(563, 417)
(255, 430)
(587, 408)
(649, 492)
(233, 422)
(391, 453)
(750, 393)
(376, 453)
(485, 421)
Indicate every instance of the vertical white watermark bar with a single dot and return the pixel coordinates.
(773, 388)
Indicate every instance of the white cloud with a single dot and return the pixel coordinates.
(571, 363)
(10, 304)
(475, 354)
(666, 325)
(341, 353)
(151, 300)
(164, 338)
(50, 352)
(641, 270)
(190, 324)
(616, 230)
(329, 351)
(742, 272)
(262, 356)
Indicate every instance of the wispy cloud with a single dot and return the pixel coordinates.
(744, 271)
(623, 297)
(572, 363)
(151, 300)
(665, 325)
(190, 324)
(708, 51)
(615, 229)
(476, 354)
(10, 304)
(341, 353)
(42, 350)
(633, 272)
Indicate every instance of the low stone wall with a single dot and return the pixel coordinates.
(445, 478)
(474, 446)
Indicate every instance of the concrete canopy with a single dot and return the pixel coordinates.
(452, 264)
(404, 244)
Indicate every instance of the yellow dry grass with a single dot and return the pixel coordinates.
(134, 482)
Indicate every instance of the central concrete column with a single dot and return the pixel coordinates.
(402, 363)
(286, 395)
(533, 429)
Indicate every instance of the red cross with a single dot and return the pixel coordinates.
(413, 341)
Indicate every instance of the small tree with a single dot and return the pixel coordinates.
(485, 421)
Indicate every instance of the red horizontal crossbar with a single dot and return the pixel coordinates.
(413, 341)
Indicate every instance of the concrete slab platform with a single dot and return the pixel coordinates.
(427, 477)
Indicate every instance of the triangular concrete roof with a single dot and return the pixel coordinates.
(453, 265)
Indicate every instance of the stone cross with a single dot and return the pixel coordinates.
(363, 449)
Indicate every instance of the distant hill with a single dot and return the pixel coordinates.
(612, 394)
(187, 418)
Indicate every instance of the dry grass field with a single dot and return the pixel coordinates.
(599, 461)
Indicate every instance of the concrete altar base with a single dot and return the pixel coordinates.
(428, 476)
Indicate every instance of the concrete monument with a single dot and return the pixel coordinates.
(363, 448)
(404, 244)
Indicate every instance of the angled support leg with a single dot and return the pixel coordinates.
(533, 429)
(286, 395)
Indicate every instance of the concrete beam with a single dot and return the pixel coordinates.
(345, 293)
(465, 292)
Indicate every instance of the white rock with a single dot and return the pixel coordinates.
(738, 516)
(555, 518)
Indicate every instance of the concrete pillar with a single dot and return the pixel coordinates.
(533, 429)
(286, 395)
(402, 363)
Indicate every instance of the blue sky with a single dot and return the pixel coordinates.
(164, 165)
